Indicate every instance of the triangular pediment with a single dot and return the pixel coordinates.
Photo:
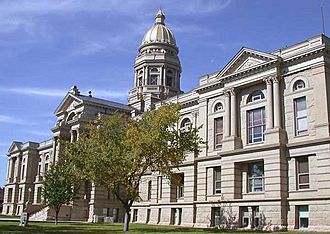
(15, 146)
(68, 103)
(245, 59)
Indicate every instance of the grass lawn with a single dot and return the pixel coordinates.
(45, 227)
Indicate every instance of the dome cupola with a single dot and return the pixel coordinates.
(159, 33)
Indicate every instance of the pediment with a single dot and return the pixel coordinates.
(68, 103)
(245, 59)
(15, 146)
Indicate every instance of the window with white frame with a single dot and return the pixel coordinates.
(256, 125)
(46, 163)
(185, 125)
(153, 77)
(217, 180)
(245, 217)
(180, 187)
(39, 195)
(217, 215)
(149, 190)
(303, 216)
(255, 96)
(300, 109)
(256, 177)
(302, 172)
(299, 84)
(135, 215)
(218, 107)
(218, 132)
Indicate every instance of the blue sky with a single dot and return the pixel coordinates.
(49, 45)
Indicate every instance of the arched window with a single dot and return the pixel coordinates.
(255, 96)
(47, 163)
(299, 84)
(185, 123)
(218, 107)
(154, 70)
(71, 116)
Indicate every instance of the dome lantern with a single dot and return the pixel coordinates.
(160, 17)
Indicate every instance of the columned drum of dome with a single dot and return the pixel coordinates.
(157, 67)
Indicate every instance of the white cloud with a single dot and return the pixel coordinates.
(11, 120)
(35, 91)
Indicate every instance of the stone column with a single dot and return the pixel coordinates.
(269, 119)
(146, 76)
(162, 75)
(12, 168)
(233, 113)
(277, 107)
(227, 119)
(9, 165)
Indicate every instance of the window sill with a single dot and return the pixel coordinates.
(255, 143)
(303, 190)
(254, 193)
(215, 195)
(300, 136)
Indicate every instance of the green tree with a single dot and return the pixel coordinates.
(60, 186)
(115, 152)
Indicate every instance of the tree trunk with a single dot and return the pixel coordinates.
(57, 211)
(56, 217)
(127, 220)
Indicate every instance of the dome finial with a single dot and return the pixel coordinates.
(160, 17)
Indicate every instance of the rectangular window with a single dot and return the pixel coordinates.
(303, 216)
(149, 190)
(216, 216)
(302, 173)
(180, 187)
(10, 195)
(159, 215)
(245, 216)
(217, 180)
(176, 214)
(135, 215)
(152, 80)
(256, 177)
(20, 193)
(256, 125)
(23, 172)
(46, 167)
(255, 216)
(301, 122)
(218, 133)
(39, 195)
(148, 215)
(160, 187)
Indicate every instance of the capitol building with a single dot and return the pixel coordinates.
(265, 117)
